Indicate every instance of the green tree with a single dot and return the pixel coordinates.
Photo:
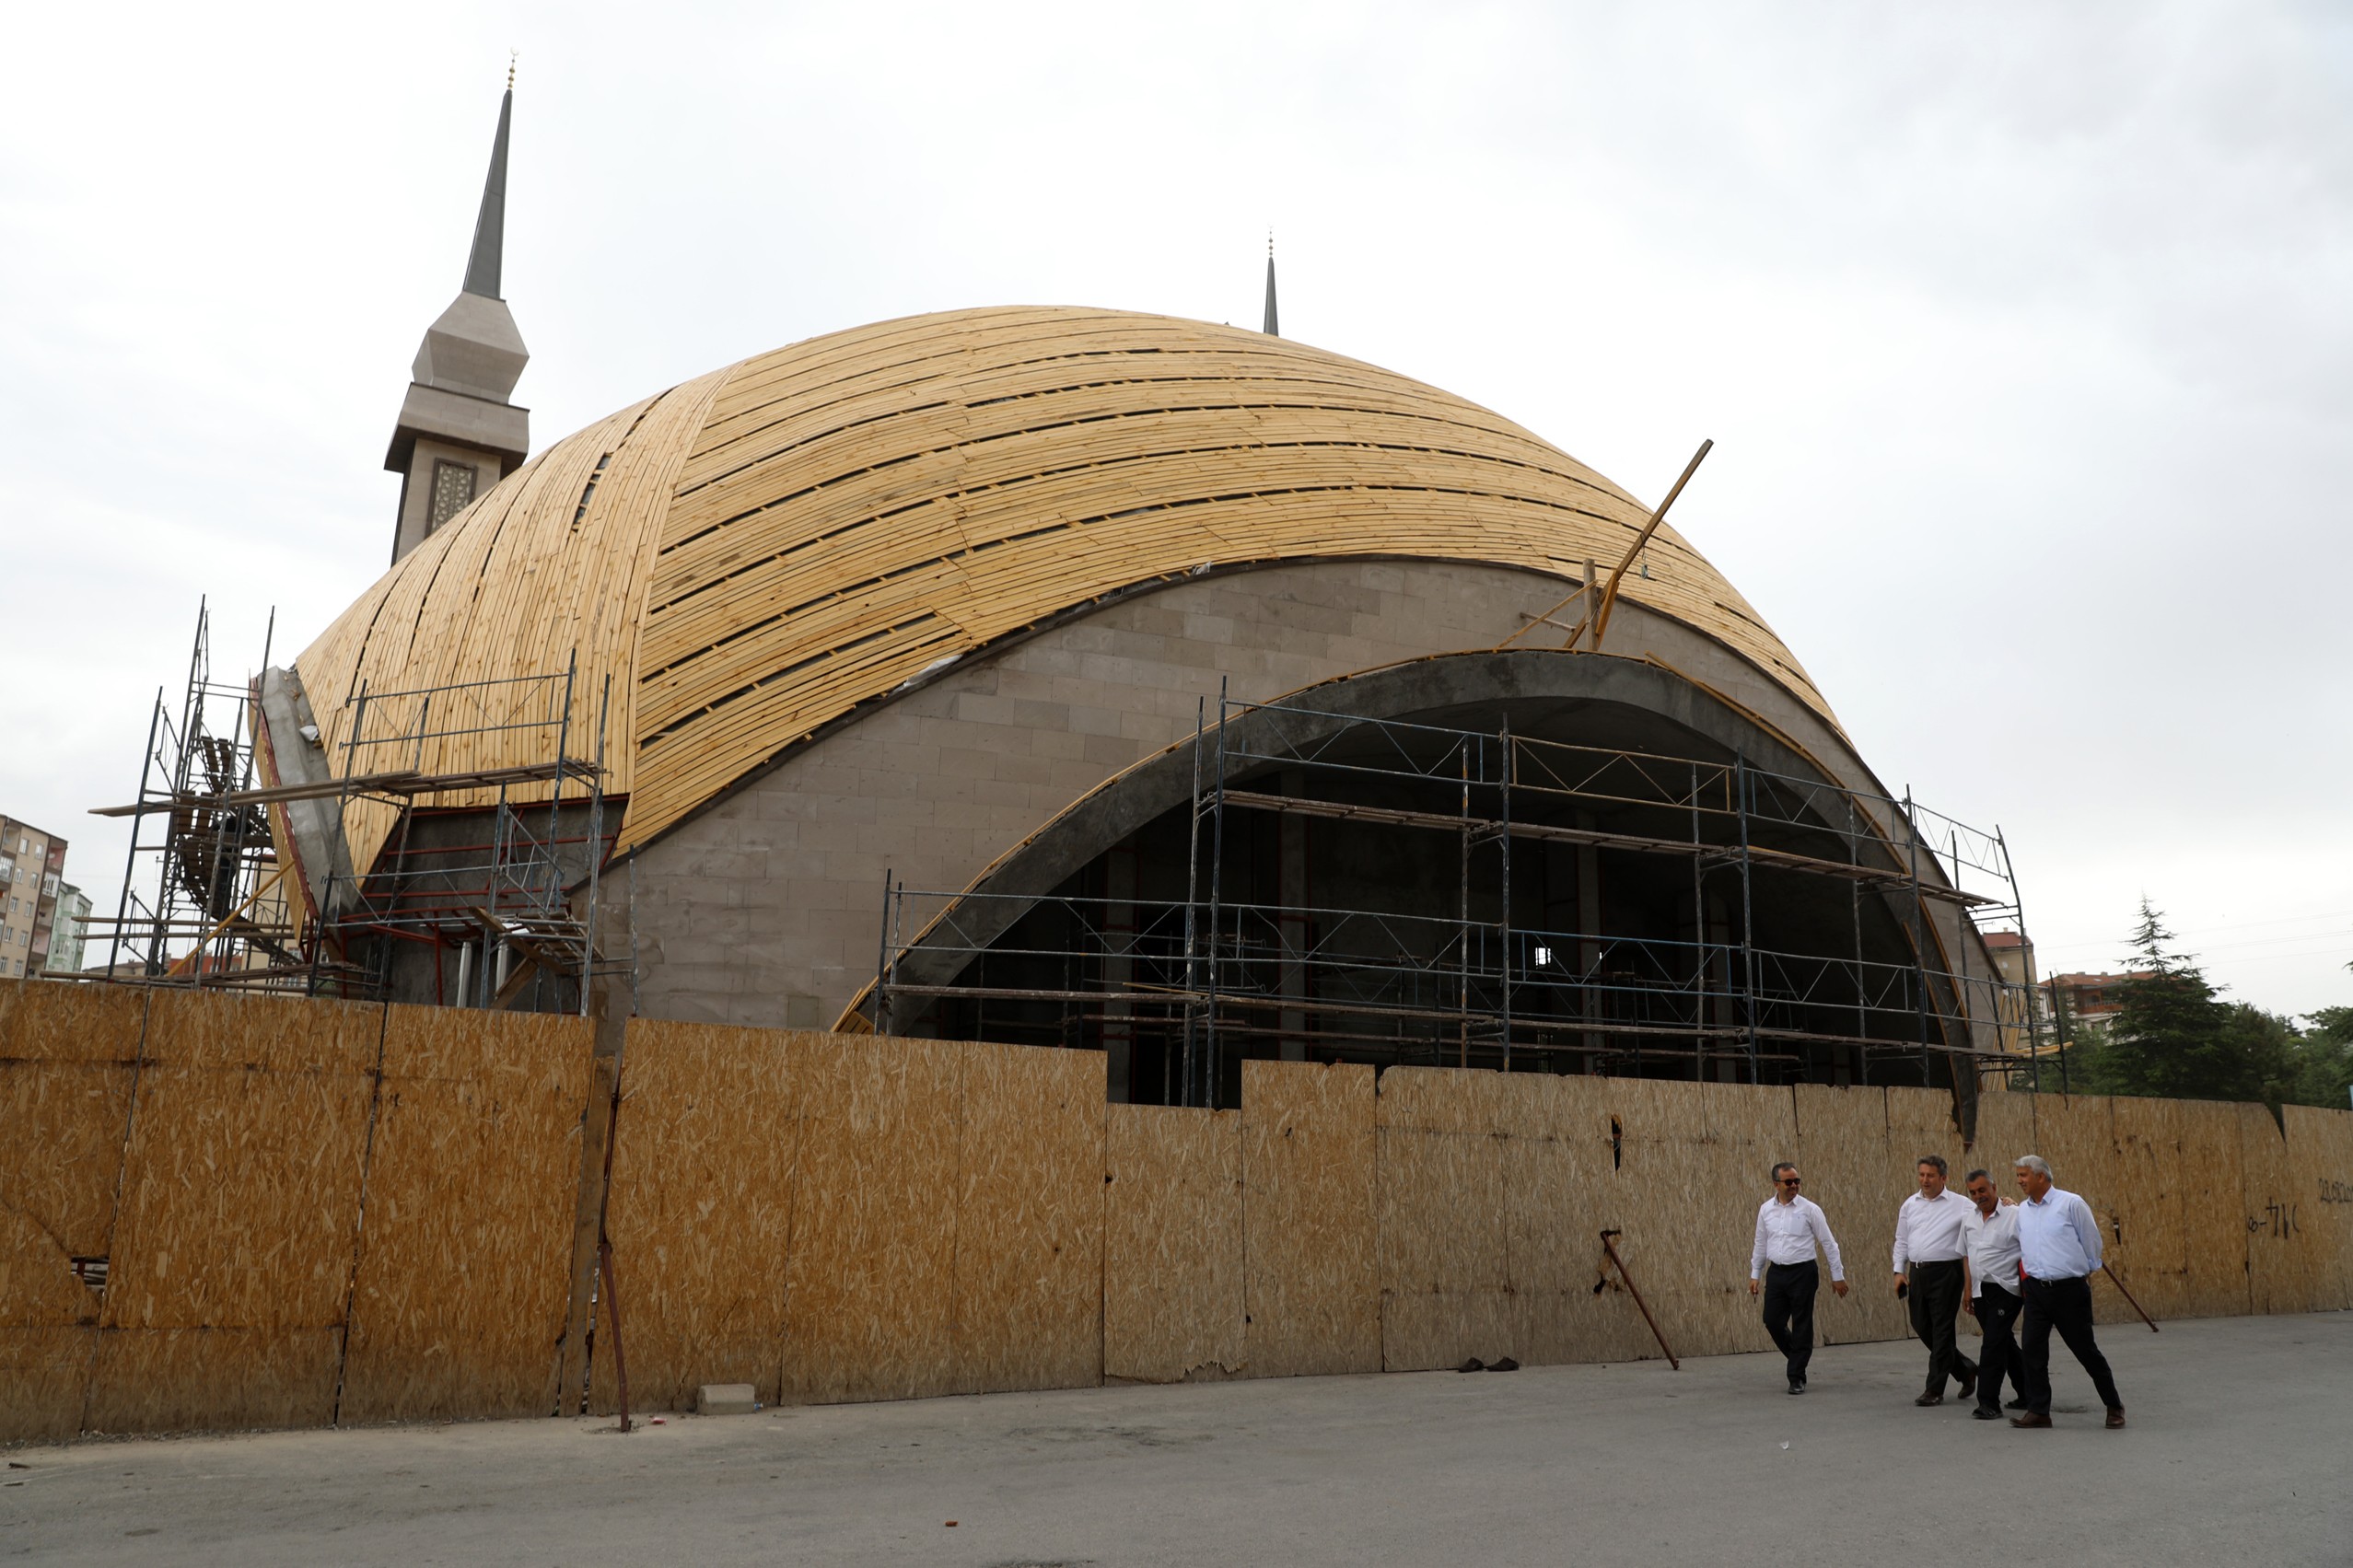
(2325, 1071)
(2175, 1036)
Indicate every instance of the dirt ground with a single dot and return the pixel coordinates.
(2239, 1451)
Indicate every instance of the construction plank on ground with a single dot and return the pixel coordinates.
(239, 1216)
(1173, 1245)
(1312, 1286)
(1445, 1285)
(700, 1212)
(473, 1171)
(1028, 1274)
(870, 1280)
(68, 1058)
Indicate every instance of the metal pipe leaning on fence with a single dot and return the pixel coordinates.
(1609, 1246)
(2128, 1297)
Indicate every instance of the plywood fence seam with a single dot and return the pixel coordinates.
(360, 1216)
(114, 1216)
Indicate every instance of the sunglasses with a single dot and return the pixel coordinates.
(1790, 1181)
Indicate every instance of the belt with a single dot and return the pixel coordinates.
(2053, 1279)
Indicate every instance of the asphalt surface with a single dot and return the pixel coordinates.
(2240, 1450)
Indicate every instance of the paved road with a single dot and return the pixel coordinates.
(2240, 1452)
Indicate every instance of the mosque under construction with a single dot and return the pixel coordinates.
(1071, 677)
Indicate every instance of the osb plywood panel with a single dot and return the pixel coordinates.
(214, 1379)
(2006, 1128)
(1562, 1190)
(1173, 1245)
(1748, 1128)
(240, 1185)
(46, 1318)
(700, 1213)
(1443, 1219)
(1440, 1249)
(200, 1028)
(1925, 1116)
(1859, 1177)
(2076, 1135)
(42, 1020)
(1029, 1278)
(2213, 1221)
(2320, 1149)
(870, 1278)
(44, 1376)
(38, 1286)
(1693, 1237)
(67, 1055)
(473, 1175)
(61, 1157)
(2145, 1228)
(2280, 1271)
(1311, 1288)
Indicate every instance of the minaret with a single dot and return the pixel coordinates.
(458, 434)
(1271, 328)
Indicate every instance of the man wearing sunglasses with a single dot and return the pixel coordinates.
(1788, 1227)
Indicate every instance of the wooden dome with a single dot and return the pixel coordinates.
(754, 553)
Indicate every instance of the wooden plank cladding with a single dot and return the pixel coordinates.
(318, 1211)
(770, 546)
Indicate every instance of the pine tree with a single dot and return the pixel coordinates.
(2175, 1036)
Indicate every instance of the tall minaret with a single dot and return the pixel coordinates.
(1272, 329)
(458, 434)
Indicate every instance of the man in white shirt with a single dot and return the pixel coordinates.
(1929, 1249)
(2059, 1245)
(1788, 1227)
(1990, 1233)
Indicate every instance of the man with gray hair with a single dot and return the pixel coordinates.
(2059, 1245)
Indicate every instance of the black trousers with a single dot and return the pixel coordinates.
(2064, 1304)
(1788, 1311)
(1997, 1311)
(1936, 1302)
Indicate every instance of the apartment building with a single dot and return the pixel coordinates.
(32, 866)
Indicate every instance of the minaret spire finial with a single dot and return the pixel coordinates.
(1272, 327)
(485, 262)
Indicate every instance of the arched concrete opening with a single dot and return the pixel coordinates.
(1681, 890)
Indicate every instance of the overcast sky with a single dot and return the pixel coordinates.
(2023, 332)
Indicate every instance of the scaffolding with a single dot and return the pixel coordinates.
(207, 902)
(499, 896)
(1211, 976)
(203, 899)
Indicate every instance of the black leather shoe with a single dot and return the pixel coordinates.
(2029, 1419)
(1473, 1364)
(1968, 1384)
(2018, 1404)
(1982, 1413)
(1929, 1399)
(2116, 1417)
(1797, 1385)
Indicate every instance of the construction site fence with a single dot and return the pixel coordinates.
(224, 1212)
